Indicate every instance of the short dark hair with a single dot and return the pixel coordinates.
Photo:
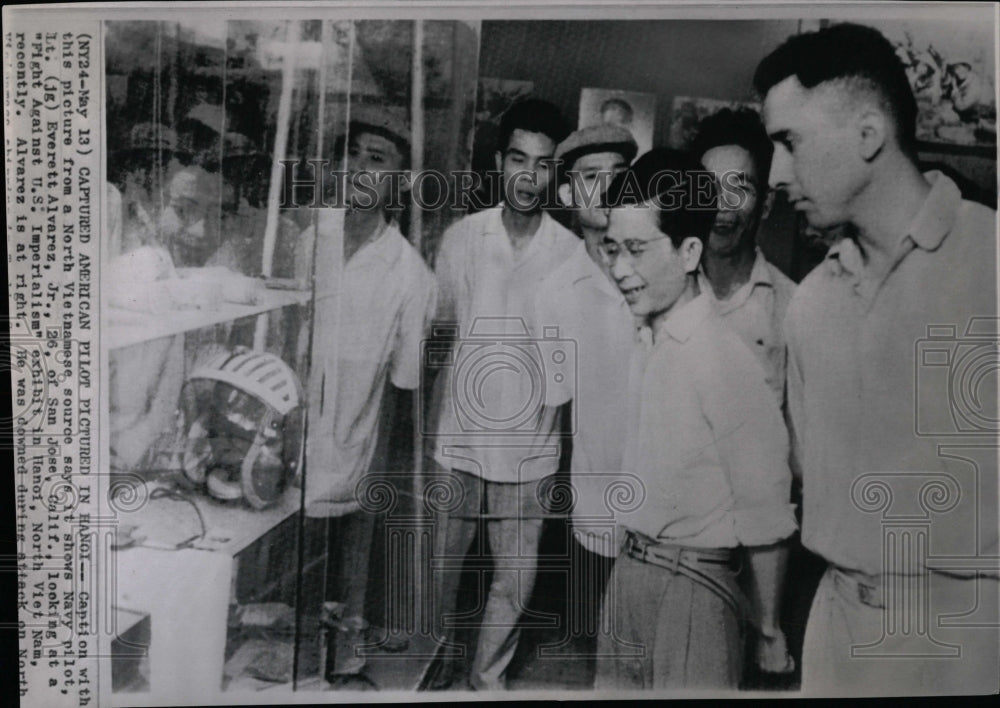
(741, 127)
(846, 51)
(690, 191)
(357, 128)
(532, 115)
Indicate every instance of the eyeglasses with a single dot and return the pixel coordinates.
(635, 247)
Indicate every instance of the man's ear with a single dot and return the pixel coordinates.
(565, 195)
(690, 249)
(873, 130)
(498, 156)
(406, 181)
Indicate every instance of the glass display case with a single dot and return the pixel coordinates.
(216, 133)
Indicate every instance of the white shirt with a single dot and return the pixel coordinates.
(756, 312)
(490, 418)
(706, 439)
(588, 309)
(892, 392)
(367, 331)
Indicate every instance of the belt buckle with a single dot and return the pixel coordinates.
(643, 549)
(634, 548)
(676, 560)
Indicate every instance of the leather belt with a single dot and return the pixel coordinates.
(685, 561)
(670, 556)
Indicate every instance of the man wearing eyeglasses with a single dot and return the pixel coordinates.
(705, 441)
(750, 293)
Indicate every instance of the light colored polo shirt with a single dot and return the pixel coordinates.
(705, 438)
(885, 379)
(367, 331)
(588, 309)
(756, 312)
(491, 420)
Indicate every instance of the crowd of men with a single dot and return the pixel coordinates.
(703, 379)
(704, 385)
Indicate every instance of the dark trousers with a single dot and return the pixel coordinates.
(350, 547)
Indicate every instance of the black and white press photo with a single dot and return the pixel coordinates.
(438, 352)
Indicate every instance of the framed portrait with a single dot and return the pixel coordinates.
(493, 97)
(951, 68)
(629, 109)
(688, 111)
(497, 95)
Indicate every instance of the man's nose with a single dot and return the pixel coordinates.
(360, 165)
(781, 169)
(621, 268)
(529, 178)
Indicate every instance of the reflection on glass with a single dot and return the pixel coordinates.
(199, 114)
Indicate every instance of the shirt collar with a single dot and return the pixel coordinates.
(932, 223)
(585, 270)
(844, 257)
(378, 248)
(938, 213)
(494, 222)
(541, 242)
(760, 274)
(681, 322)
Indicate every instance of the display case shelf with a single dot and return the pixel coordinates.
(230, 527)
(126, 327)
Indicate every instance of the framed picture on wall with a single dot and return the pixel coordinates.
(493, 97)
(629, 109)
(497, 95)
(951, 68)
(687, 112)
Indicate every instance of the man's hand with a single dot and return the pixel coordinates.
(772, 653)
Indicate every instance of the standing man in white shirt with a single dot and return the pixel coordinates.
(885, 404)
(750, 293)
(581, 299)
(375, 298)
(496, 442)
(706, 440)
